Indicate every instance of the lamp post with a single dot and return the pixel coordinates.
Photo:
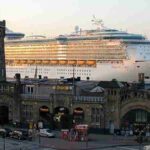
(39, 138)
(104, 109)
(52, 109)
(73, 82)
(4, 135)
(52, 102)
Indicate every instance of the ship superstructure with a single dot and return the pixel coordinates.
(100, 54)
(10, 35)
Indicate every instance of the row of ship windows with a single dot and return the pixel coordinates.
(47, 72)
(59, 44)
(88, 57)
(63, 47)
(69, 49)
(74, 70)
(26, 71)
(66, 49)
(67, 53)
(58, 70)
(64, 56)
(141, 46)
(54, 45)
(69, 73)
(60, 73)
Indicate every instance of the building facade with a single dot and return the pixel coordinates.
(103, 105)
(106, 105)
(2, 52)
(58, 99)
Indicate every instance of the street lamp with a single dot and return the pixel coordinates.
(52, 102)
(4, 135)
(103, 110)
(39, 138)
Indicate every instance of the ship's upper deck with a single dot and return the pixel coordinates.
(104, 34)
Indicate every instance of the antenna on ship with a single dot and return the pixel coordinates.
(98, 22)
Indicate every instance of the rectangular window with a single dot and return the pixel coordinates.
(31, 90)
(93, 110)
(28, 89)
(97, 118)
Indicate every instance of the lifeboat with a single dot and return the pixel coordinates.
(30, 61)
(38, 62)
(45, 61)
(62, 62)
(80, 62)
(53, 62)
(23, 61)
(71, 62)
(91, 62)
(16, 61)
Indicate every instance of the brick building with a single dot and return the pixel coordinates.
(104, 104)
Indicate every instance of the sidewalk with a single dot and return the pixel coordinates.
(96, 141)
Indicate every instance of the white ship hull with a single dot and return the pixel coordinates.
(126, 71)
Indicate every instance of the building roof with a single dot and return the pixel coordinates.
(97, 89)
(110, 84)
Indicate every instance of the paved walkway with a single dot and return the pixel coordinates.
(95, 142)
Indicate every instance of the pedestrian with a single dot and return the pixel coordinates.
(30, 134)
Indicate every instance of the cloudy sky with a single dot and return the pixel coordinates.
(54, 17)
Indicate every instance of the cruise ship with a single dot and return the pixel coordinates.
(98, 54)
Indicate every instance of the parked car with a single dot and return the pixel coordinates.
(2, 132)
(20, 134)
(46, 133)
(5, 132)
(147, 147)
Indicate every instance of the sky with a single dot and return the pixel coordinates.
(54, 17)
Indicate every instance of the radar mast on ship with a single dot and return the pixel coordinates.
(98, 22)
